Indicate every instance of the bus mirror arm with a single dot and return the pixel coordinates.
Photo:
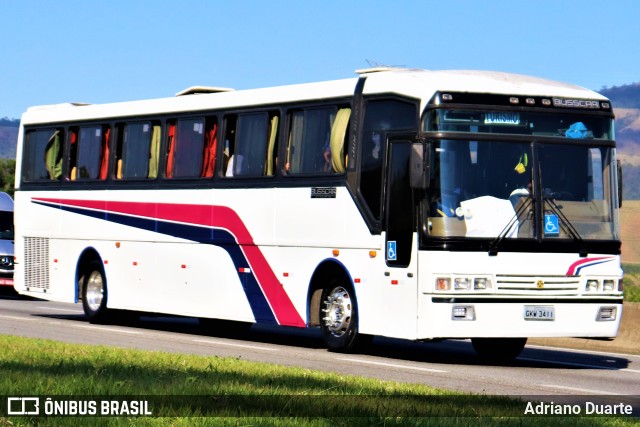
(619, 166)
(419, 164)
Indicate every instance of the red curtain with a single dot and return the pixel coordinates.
(170, 153)
(209, 160)
(104, 165)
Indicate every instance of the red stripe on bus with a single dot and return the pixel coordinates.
(210, 216)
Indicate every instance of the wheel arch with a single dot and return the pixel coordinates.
(324, 272)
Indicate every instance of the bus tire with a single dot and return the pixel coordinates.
(339, 318)
(498, 349)
(94, 293)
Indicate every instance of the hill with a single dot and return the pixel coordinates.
(625, 96)
(626, 103)
(8, 137)
(629, 220)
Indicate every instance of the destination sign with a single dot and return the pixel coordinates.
(502, 118)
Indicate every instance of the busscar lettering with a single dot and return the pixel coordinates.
(323, 192)
(576, 103)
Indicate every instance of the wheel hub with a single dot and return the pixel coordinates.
(337, 311)
(95, 291)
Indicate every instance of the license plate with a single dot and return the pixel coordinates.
(538, 312)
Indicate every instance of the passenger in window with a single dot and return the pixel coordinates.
(232, 167)
(327, 168)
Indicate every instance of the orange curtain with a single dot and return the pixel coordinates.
(209, 159)
(104, 165)
(170, 153)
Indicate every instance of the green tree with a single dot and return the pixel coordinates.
(7, 175)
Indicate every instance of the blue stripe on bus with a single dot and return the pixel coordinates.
(211, 236)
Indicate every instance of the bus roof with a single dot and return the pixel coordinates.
(421, 84)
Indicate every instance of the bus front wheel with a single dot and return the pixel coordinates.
(339, 318)
(498, 349)
(94, 293)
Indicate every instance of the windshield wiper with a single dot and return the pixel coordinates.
(495, 245)
(557, 210)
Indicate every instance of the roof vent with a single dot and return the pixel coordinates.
(375, 70)
(196, 90)
(54, 106)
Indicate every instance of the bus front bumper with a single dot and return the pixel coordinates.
(455, 318)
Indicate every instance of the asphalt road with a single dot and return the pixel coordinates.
(451, 365)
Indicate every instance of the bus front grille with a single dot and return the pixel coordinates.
(543, 285)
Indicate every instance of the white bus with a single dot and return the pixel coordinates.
(413, 204)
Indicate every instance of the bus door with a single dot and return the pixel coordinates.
(399, 287)
(399, 222)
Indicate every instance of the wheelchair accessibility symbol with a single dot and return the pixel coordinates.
(551, 226)
(392, 255)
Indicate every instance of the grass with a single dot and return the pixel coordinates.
(631, 282)
(195, 390)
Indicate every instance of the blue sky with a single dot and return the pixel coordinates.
(116, 50)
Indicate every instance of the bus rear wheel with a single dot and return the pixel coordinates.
(498, 349)
(94, 293)
(339, 318)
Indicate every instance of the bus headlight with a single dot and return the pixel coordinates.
(481, 283)
(461, 283)
(443, 284)
(592, 285)
(608, 285)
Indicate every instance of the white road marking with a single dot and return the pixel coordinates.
(576, 350)
(17, 318)
(581, 390)
(390, 365)
(579, 365)
(62, 309)
(254, 347)
(107, 329)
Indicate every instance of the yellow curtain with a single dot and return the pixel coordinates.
(53, 156)
(338, 132)
(273, 133)
(154, 153)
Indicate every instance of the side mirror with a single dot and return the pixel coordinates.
(419, 164)
(619, 166)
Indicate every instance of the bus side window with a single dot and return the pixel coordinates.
(91, 154)
(43, 155)
(309, 143)
(185, 150)
(250, 144)
(136, 152)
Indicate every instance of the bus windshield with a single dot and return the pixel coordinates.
(487, 189)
